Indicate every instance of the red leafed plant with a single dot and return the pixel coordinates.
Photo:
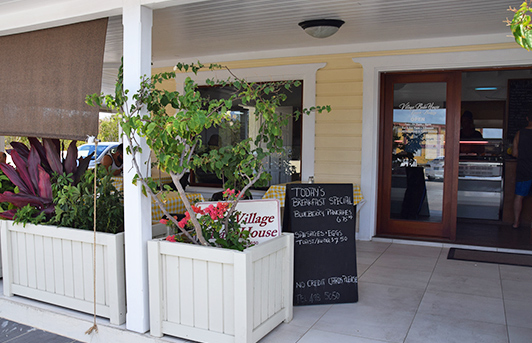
(35, 167)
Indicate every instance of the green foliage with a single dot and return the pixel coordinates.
(29, 214)
(5, 186)
(74, 205)
(175, 137)
(108, 131)
(521, 25)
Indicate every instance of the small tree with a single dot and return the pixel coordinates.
(175, 138)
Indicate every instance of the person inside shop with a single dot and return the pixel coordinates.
(469, 133)
(113, 161)
(522, 150)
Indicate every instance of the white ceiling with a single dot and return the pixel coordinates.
(238, 26)
(245, 29)
(189, 29)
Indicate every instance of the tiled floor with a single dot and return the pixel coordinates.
(414, 294)
(411, 294)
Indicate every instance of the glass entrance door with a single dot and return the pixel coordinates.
(419, 154)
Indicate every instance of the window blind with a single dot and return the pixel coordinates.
(45, 76)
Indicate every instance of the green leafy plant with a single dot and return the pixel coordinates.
(74, 204)
(521, 25)
(29, 214)
(5, 186)
(175, 138)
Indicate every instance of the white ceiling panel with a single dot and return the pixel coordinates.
(237, 26)
(241, 27)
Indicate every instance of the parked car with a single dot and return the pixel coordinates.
(434, 169)
(103, 149)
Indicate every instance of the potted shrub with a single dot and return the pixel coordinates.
(47, 247)
(206, 282)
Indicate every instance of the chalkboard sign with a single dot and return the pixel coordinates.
(322, 218)
(519, 105)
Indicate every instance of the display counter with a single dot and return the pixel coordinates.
(480, 189)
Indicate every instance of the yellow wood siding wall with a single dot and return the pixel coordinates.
(339, 133)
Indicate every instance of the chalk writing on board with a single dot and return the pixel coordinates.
(301, 202)
(319, 237)
(309, 214)
(333, 280)
(345, 200)
(341, 215)
(316, 197)
(318, 297)
(322, 219)
(307, 192)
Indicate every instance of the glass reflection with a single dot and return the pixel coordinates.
(418, 151)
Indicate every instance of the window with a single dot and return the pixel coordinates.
(242, 124)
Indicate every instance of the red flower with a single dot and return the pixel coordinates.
(171, 238)
(182, 222)
(163, 221)
(229, 192)
(198, 210)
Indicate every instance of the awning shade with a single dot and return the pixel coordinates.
(45, 76)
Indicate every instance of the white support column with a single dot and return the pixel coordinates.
(137, 21)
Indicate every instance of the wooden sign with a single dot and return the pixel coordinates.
(322, 218)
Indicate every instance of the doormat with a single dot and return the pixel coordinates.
(490, 257)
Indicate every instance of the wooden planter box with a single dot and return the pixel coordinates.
(55, 265)
(218, 295)
(2, 224)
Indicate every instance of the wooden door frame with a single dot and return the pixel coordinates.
(446, 230)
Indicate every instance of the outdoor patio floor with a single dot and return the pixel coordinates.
(407, 293)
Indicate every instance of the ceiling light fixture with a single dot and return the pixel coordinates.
(321, 28)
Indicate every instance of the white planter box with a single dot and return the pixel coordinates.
(2, 223)
(218, 295)
(55, 265)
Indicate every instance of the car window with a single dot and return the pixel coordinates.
(101, 149)
(84, 151)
